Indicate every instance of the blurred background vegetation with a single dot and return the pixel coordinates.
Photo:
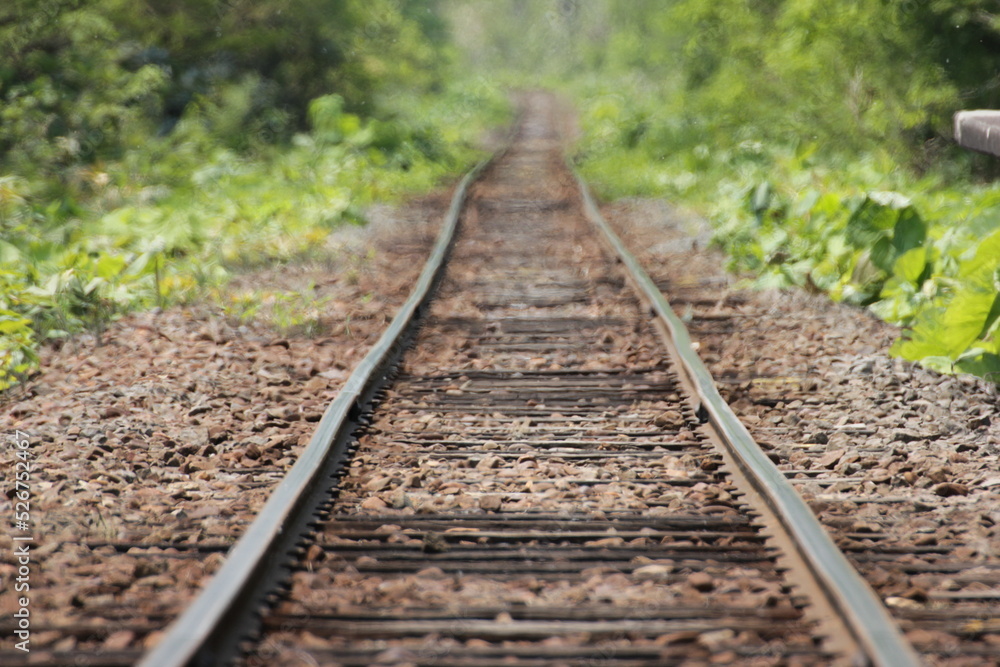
(150, 148)
(815, 136)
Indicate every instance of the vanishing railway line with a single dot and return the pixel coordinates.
(536, 484)
(529, 469)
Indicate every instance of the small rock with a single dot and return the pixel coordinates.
(217, 434)
(702, 581)
(607, 542)
(951, 489)
(819, 438)
(673, 638)
(434, 543)
(652, 572)
(489, 462)
(925, 638)
(939, 474)
(373, 503)
(148, 568)
(491, 503)
(916, 594)
(715, 639)
(396, 655)
(414, 481)
(379, 484)
(119, 641)
(310, 641)
(830, 459)
(282, 442)
(980, 422)
(902, 603)
(863, 367)
(315, 385)
(400, 500)
(880, 476)
(669, 418)
(906, 435)
(65, 645)
(865, 527)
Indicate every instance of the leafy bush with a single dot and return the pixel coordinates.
(147, 152)
(814, 136)
(928, 260)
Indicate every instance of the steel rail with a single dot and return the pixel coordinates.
(207, 633)
(874, 629)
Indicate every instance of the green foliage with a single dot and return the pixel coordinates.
(17, 348)
(293, 313)
(958, 331)
(813, 135)
(83, 82)
(149, 150)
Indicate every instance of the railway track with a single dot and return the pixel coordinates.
(540, 478)
(530, 468)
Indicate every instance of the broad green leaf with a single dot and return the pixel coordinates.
(918, 344)
(910, 265)
(883, 255)
(939, 364)
(14, 326)
(910, 231)
(866, 271)
(966, 318)
(984, 364)
(109, 266)
(992, 319)
(986, 260)
(870, 222)
(828, 205)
